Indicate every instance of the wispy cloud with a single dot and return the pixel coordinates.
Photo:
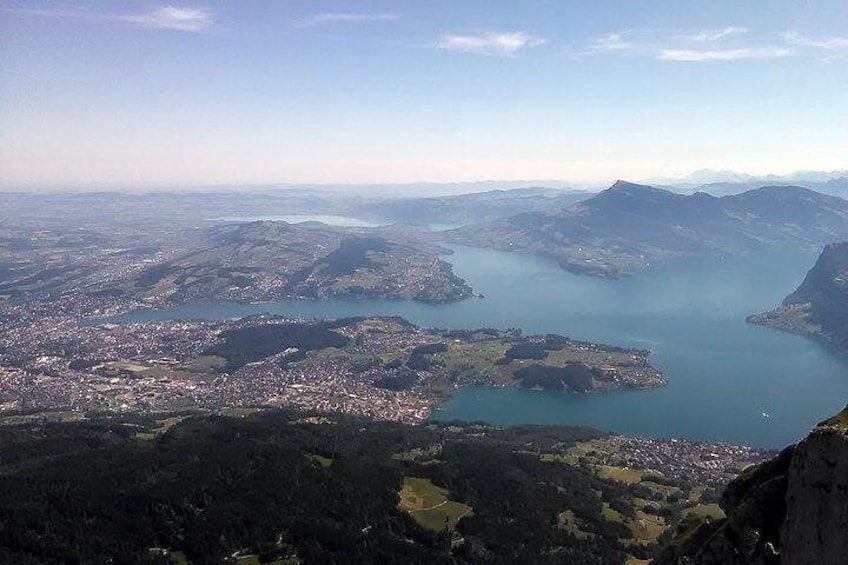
(347, 17)
(830, 44)
(171, 17)
(696, 55)
(707, 36)
(613, 43)
(166, 17)
(831, 48)
(610, 42)
(731, 43)
(490, 43)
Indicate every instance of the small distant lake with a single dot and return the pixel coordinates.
(728, 380)
(330, 220)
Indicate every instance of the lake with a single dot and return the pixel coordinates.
(328, 219)
(728, 380)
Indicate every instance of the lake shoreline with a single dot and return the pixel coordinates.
(722, 372)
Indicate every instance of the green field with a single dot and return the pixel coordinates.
(206, 364)
(429, 504)
(162, 426)
(620, 474)
(611, 514)
(568, 522)
(321, 460)
(712, 511)
(647, 528)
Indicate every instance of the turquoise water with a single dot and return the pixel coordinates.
(728, 380)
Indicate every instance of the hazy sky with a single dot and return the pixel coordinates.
(144, 93)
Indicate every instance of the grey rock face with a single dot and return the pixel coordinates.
(791, 510)
(815, 531)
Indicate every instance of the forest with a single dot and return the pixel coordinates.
(252, 343)
(282, 487)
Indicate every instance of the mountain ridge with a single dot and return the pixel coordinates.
(463, 209)
(272, 260)
(629, 227)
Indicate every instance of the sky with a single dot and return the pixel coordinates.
(143, 94)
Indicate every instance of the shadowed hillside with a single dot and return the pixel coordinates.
(819, 307)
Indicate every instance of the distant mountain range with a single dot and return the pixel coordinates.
(711, 176)
(721, 183)
(629, 227)
(819, 307)
(468, 208)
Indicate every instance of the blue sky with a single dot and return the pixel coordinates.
(156, 94)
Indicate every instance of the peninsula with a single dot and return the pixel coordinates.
(383, 368)
(819, 307)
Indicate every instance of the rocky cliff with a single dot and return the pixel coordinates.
(819, 307)
(790, 510)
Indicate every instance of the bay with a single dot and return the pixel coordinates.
(728, 380)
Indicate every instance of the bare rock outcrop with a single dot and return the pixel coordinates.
(815, 531)
(790, 510)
